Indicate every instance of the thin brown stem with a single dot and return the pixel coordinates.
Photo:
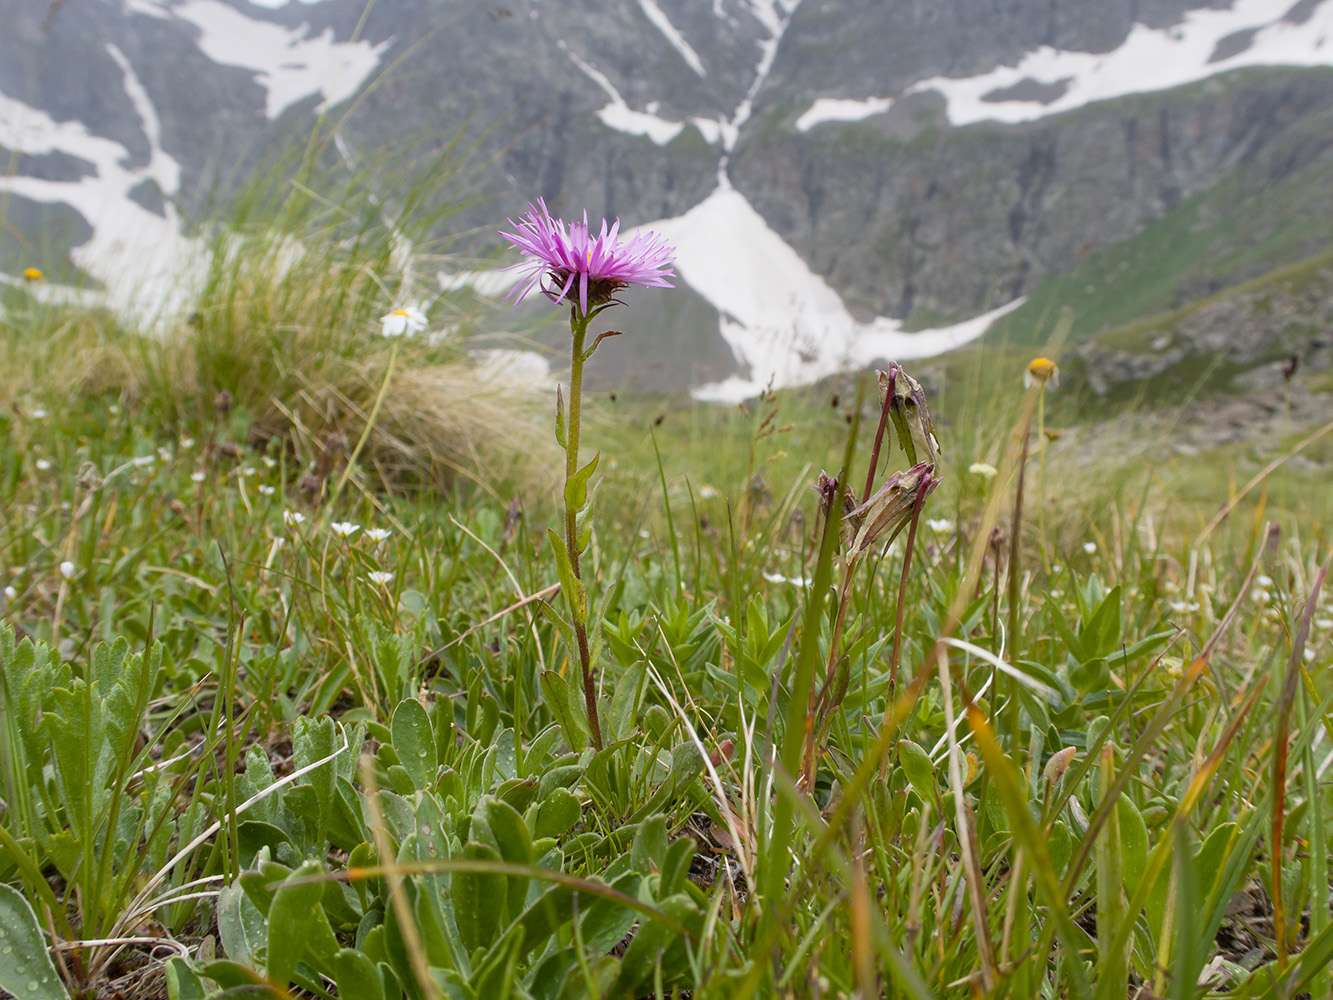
(879, 435)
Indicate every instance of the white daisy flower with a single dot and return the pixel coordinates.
(379, 577)
(378, 534)
(344, 529)
(292, 518)
(403, 322)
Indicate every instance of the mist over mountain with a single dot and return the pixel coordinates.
(847, 180)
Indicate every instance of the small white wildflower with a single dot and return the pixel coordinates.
(292, 518)
(10, 593)
(798, 581)
(1260, 595)
(249, 470)
(187, 444)
(43, 464)
(113, 409)
(1323, 623)
(1264, 581)
(269, 462)
(1192, 606)
(164, 453)
(939, 525)
(1089, 547)
(1057, 593)
(199, 476)
(707, 492)
(141, 461)
(267, 490)
(645, 533)
(1177, 606)
(983, 469)
(403, 322)
(344, 529)
(379, 577)
(378, 534)
(39, 414)
(67, 570)
(1308, 653)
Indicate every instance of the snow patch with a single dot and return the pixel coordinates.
(149, 268)
(278, 4)
(669, 32)
(503, 364)
(781, 320)
(288, 64)
(1149, 60)
(833, 109)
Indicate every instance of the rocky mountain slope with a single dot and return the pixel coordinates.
(847, 179)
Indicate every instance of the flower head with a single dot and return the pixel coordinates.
(578, 267)
(292, 518)
(378, 534)
(33, 274)
(1041, 371)
(408, 321)
(380, 578)
(67, 569)
(983, 469)
(344, 529)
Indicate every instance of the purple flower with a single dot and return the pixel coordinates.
(601, 265)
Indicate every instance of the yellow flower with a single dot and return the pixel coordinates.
(33, 274)
(1040, 372)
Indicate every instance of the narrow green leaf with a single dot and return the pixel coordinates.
(575, 595)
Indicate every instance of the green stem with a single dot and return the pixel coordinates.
(365, 434)
(1015, 581)
(578, 326)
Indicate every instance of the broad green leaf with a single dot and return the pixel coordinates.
(357, 976)
(26, 969)
(920, 772)
(557, 814)
(650, 846)
(298, 929)
(477, 897)
(625, 699)
(414, 742)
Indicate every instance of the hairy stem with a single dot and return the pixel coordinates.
(579, 328)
